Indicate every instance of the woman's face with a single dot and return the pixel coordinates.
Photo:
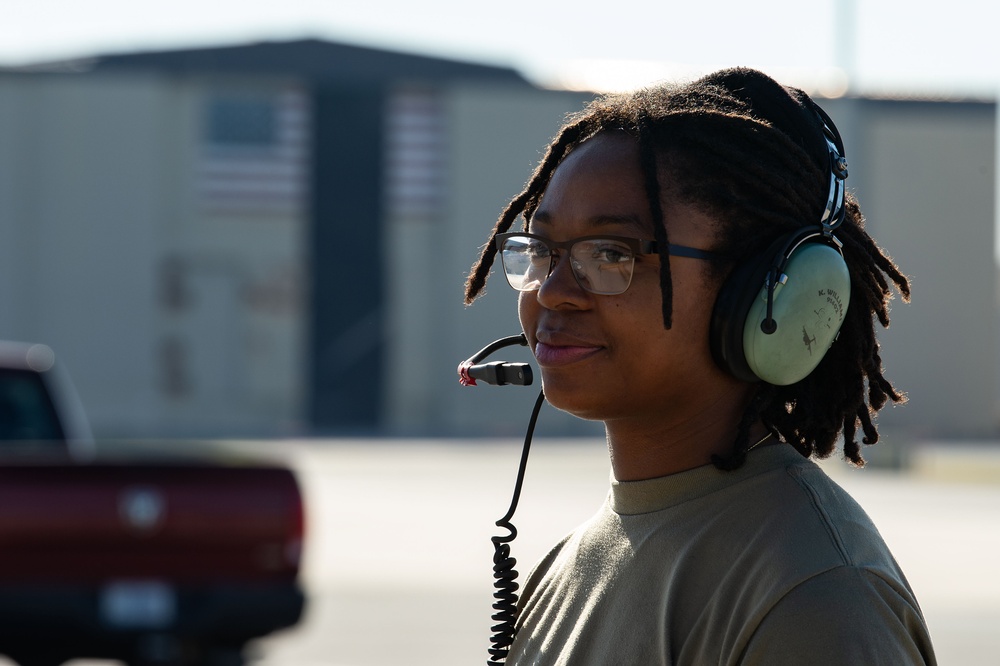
(610, 357)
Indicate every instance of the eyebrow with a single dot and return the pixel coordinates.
(606, 220)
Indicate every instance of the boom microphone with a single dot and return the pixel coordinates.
(497, 373)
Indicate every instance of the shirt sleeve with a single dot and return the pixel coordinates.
(847, 615)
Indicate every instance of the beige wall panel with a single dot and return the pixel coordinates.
(930, 201)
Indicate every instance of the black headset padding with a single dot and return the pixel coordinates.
(732, 305)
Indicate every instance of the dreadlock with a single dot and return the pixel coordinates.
(748, 152)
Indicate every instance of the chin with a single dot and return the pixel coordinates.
(581, 404)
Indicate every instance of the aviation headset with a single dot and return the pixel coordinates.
(778, 313)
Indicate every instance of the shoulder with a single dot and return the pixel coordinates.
(847, 614)
(793, 504)
(848, 532)
(542, 568)
(590, 555)
(783, 515)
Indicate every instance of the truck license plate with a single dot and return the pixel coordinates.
(138, 604)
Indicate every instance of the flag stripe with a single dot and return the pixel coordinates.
(415, 168)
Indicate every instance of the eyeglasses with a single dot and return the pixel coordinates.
(601, 264)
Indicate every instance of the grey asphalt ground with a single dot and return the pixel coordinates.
(398, 558)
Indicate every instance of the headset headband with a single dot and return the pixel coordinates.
(833, 214)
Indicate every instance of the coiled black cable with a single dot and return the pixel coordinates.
(504, 573)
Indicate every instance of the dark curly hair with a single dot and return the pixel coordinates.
(750, 153)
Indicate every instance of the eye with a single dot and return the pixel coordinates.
(536, 250)
(608, 252)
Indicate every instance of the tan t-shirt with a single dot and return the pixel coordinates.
(771, 564)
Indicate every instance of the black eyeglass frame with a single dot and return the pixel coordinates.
(636, 245)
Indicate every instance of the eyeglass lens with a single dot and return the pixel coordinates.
(601, 266)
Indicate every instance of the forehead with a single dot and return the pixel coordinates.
(600, 188)
(599, 182)
(612, 150)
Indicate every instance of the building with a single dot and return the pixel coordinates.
(205, 235)
(271, 239)
(925, 174)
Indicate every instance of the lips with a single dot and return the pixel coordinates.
(555, 351)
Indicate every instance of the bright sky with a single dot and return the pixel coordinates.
(887, 45)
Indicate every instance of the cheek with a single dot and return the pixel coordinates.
(527, 312)
(694, 300)
(686, 342)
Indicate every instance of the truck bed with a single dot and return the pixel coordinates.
(183, 522)
(148, 562)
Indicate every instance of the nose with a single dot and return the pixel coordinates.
(561, 289)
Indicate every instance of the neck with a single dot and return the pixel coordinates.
(650, 448)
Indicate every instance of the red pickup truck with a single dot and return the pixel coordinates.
(135, 555)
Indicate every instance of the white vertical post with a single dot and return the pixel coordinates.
(845, 32)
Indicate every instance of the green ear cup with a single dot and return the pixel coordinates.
(809, 308)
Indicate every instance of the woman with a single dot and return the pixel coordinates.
(693, 275)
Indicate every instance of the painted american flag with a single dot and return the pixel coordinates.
(254, 155)
(415, 154)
